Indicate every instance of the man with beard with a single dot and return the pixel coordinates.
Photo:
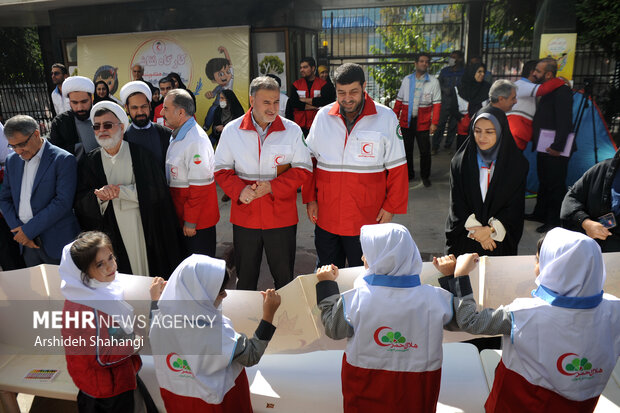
(361, 169)
(166, 84)
(553, 116)
(417, 106)
(122, 192)
(59, 74)
(137, 97)
(72, 130)
(308, 94)
(189, 170)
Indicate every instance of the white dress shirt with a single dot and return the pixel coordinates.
(30, 171)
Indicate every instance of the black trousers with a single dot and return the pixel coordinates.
(123, 402)
(279, 245)
(445, 118)
(336, 249)
(552, 172)
(10, 257)
(424, 146)
(203, 242)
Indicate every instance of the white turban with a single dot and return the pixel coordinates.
(114, 107)
(77, 84)
(137, 86)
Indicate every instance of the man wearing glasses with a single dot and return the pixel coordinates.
(59, 74)
(123, 192)
(73, 130)
(37, 193)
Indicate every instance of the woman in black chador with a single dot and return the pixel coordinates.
(487, 189)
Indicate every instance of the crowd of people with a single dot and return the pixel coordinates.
(129, 185)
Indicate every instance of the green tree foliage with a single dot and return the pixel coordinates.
(403, 34)
(599, 24)
(511, 23)
(271, 64)
(20, 55)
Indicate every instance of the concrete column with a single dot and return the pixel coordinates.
(553, 16)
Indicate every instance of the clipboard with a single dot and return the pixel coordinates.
(546, 138)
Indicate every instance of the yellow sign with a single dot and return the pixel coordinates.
(207, 60)
(561, 47)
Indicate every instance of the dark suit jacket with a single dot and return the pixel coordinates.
(63, 132)
(52, 197)
(554, 112)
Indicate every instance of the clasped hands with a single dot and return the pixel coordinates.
(482, 234)
(254, 191)
(108, 192)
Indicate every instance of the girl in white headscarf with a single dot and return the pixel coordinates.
(392, 323)
(105, 371)
(559, 347)
(200, 366)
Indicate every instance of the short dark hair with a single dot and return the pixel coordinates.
(165, 80)
(24, 124)
(214, 65)
(551, 65)
(459, 53)
(419, 55)
(225, 280)
(84, 250)
(310, 60)
(276, 78)
(182, 100)
(62, 68)
(540, 243)
(348, 73)
(528, 67)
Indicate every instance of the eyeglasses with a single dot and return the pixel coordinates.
(22, 144)
(105, 125)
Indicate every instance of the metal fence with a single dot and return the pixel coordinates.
(27, 99)
(591, 66)
(357, 33)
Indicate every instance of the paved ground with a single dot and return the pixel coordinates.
(425, 218)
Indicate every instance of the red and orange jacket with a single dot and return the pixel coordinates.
(304, 118)
(359, 173)
(426, 109)
(241, 159)
(99, 371)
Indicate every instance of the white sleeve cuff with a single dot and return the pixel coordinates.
(500, 231)
(470, 223)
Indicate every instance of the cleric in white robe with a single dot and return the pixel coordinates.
(122, 192)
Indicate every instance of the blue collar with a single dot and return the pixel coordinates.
(557, 300)
(396, 281)
(526, 79)
(189, 124)
(481, 163)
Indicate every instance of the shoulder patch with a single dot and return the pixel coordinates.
(399, 132)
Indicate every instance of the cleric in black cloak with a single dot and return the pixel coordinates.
(487, 189)
(122, 191)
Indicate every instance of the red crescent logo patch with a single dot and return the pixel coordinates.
(376, 336)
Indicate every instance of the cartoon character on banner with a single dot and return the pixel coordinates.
(220, 71)
(108, 74)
